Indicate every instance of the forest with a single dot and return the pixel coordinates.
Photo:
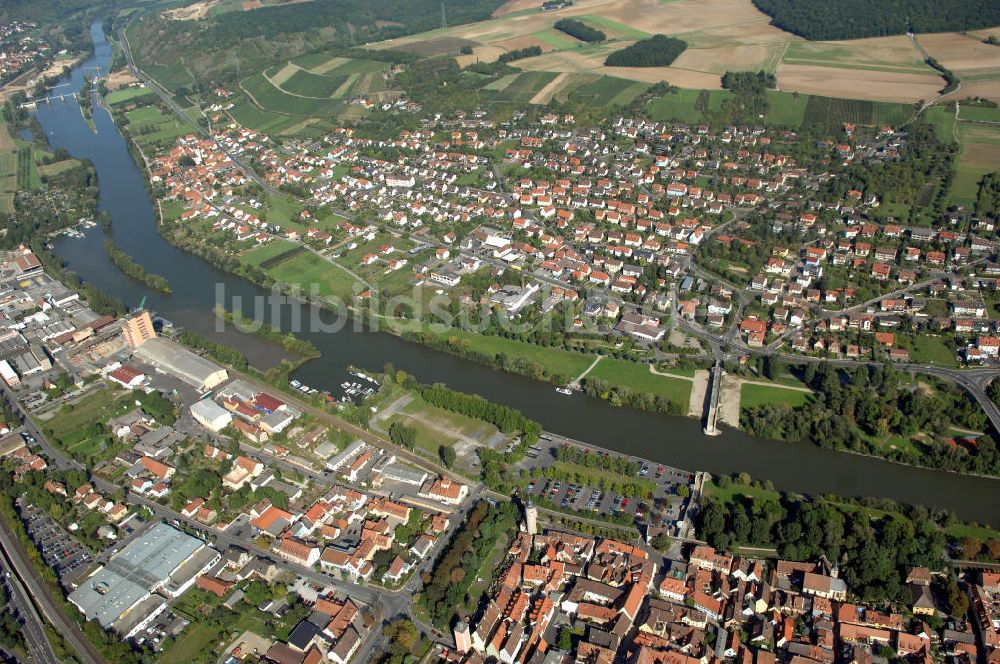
(859, 410)
(874, 554)
(656, 51)
(580, 30)
(851, 19)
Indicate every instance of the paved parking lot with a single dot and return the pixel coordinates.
(662, 510)
(60, 551)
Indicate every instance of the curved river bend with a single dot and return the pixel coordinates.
(675, 441)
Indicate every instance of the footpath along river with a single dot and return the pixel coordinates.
(676, 441)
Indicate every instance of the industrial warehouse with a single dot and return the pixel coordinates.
(120, 595)
(171, 358)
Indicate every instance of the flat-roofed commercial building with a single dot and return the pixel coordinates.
(119, 595)
(185, 365)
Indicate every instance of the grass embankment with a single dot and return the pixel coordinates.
(753, 395)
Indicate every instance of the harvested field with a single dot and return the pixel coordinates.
(517, 6)
(483, 53)
(328, 66)
(283, 74)
(854, 84)
(434, 47)
(887, 53)
(985, 89)
(963, 54)
(6, 141)
(746, 57)
(976, 64)
(526, 41)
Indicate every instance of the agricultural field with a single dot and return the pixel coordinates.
(248, 115)
(523, 89)
(608, 91)
(979, 113)
(270, 98)
(150, 125)
(943, 119)
(976, 64)
(892, 54)
(683, 105)
(979, 155)
(8, 170)
(321, 76)
(786, 109)
(307, 84)
(55, 168)
(171, 77)
(125, 95)
(871, 84)
(722, 35)
(833, 112)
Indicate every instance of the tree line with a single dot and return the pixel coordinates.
(520, 54)
(130, 268)
(446, 588)
(508, 420)
(216, 351)
(611, 462)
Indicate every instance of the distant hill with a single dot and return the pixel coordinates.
(176, 51)
(42, 10)
(851, 19)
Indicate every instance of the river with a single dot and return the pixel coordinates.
(671, 440)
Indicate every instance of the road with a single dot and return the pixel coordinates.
(21, 564)
(32, 626)
(43, 597)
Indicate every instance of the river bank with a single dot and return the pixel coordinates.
(674, 441)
